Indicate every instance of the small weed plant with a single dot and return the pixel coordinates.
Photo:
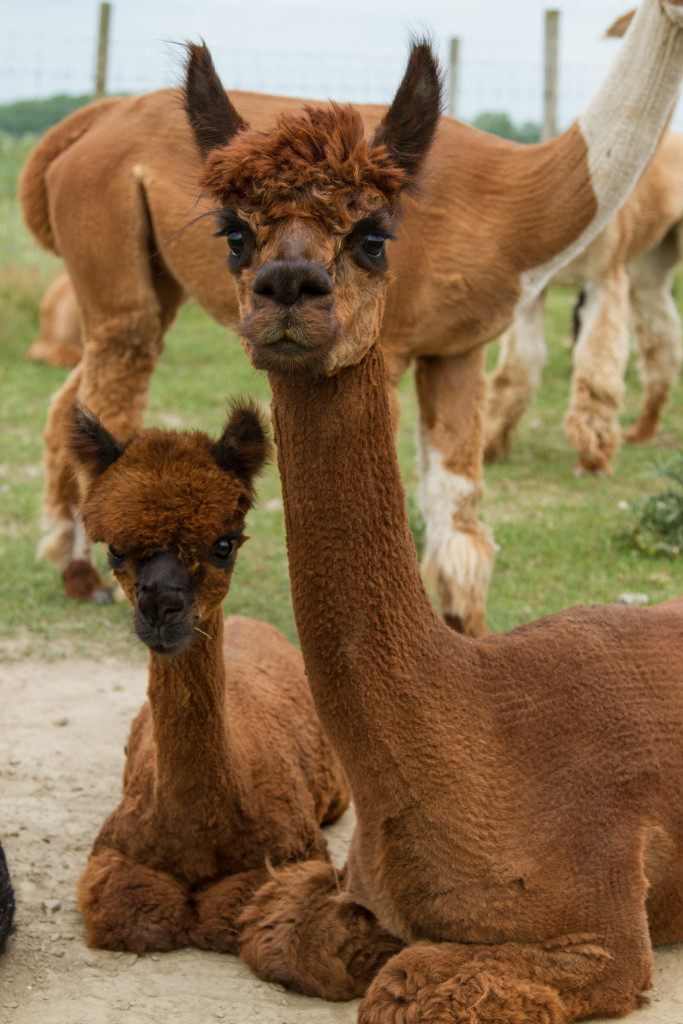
(658, 528)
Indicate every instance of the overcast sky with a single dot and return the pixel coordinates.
(319, 47)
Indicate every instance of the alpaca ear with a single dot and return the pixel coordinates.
(245, 446)
(212, 117)
(409, 126)
(92, 447)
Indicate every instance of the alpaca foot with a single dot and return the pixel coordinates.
(595, 438)
(427, 983)
(83, 582)
(302, 931)
(127, 905)
(59, 354)
(640, 432)
(581, 469)
(218, 909)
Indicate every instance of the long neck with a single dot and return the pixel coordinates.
(366, 625)
(187, 695)
(624, 121)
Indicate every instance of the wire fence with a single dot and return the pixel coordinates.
(43, 63)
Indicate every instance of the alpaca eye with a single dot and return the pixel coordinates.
(222, 550)
(116, 558)
(236, 243)
(374, 245)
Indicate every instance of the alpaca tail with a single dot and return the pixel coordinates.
(32, 190)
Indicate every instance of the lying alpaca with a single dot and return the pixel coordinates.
(519, 798)
(227, 765)
(7, 903)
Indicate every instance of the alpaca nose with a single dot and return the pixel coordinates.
(162, 588)
(289, 281)
(159, 604)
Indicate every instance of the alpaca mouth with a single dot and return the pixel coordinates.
(290, 342)
(164, 638)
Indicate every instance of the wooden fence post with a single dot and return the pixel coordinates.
(102, 51)
(453, 77)
(552, 31)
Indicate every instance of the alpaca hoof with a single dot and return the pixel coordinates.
(581, 469)
(638, 435)
(83, 582)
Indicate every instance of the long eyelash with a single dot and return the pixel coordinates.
(230, 222)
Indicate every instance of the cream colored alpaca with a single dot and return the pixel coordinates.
(493, 225)
(632, 262)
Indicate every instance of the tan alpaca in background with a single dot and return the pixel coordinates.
(630, 265)
(494, 222)
(227, 767)
(519, 798)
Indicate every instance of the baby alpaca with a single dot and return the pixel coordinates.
(227, 766)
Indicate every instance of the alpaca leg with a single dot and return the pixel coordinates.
(516, 377)
(509, 983)
(459, 549)
(600, 357)
(127, 905)
(58, 342)
(300, 930)
(218, 909)
(658, 333)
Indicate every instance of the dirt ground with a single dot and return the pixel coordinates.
(64, 724)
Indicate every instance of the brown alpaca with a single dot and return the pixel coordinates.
(519, 798)
(226, 764)
(494, 222)
(632, 262)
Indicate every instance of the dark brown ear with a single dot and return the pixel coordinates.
(245, 445)
(212, 117)
(92, 447)
(409, 126)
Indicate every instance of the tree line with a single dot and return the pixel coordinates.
(33, 117)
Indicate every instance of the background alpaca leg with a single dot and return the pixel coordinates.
(58, 341)
(600, 356)
(219, 907)
(120, 352)
(301, 931)
(658, 333)
(517, 375)
(554, 983)
(459, 550)
(127, 905)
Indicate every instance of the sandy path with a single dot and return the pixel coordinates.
(64, 724)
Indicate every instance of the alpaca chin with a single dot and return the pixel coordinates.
(291, 344)
(166, 638)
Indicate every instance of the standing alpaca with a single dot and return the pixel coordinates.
(519, 798)
(7, 903)
(634, 259)
(226, 765)
(495, 222)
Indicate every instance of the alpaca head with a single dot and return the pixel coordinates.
(171, 507)
(306, 208)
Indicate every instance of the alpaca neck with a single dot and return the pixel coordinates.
(187, 696)
(624, 121)
(366, 625)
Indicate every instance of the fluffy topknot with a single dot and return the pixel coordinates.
(312, 163)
